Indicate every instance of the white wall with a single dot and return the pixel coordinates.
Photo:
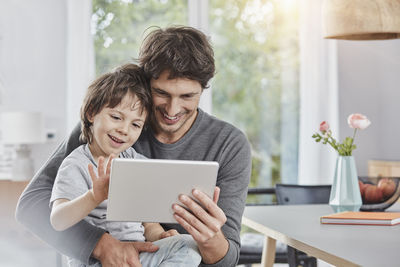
(369, 83)
(32, 63)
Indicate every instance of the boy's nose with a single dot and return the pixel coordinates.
(123, 128)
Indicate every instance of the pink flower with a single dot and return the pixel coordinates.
(345, 148)
(324, 127)
(358, 121)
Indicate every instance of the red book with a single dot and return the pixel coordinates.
(362, 218)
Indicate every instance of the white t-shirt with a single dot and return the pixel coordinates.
(73, 180)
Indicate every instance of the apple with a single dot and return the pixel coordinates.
(362, 188)
(373, 194)
(365, 186)
(388, 186)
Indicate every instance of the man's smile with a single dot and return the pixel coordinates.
(171, 119)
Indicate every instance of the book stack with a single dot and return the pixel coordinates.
(362, 218)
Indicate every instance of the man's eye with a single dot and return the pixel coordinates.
(160, 93)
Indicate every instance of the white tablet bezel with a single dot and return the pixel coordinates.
(143, 190)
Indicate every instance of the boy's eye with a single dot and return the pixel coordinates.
(136, 125)
(115, 117)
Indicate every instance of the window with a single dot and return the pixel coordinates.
(257, 55)
(257, 85)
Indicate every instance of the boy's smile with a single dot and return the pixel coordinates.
(116, 129)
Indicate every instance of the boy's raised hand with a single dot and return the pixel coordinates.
(100, 182)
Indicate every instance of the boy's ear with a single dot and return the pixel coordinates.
(89, 117)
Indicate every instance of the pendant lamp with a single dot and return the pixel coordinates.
(361, 19)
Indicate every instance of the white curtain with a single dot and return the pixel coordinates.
(80, 57)
(318, 96)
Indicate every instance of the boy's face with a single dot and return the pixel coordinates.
(175, 103)
(116, 129)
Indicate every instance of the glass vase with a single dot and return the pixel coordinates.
(345, 192)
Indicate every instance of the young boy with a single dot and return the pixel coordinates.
(112, 117)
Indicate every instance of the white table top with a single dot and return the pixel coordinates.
(341, 245)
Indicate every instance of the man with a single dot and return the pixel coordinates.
(179, 62)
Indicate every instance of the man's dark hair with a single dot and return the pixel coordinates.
(109, 89)
(183, 51)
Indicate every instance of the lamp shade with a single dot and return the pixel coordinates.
(22, 127)
(361, 19)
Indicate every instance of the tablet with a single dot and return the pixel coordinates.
(143, 190)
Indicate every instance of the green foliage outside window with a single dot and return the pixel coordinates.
(256, 88)
(119, 26)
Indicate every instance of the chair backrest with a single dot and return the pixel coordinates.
(292, 194)
(266, 196)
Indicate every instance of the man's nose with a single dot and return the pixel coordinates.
(173, 106)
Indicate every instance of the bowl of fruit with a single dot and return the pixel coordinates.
(378, 193)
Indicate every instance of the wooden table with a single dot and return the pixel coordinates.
(340, 245)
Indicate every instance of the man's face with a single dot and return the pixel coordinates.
(175, 103)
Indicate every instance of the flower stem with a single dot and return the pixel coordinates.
(332, 144)
(354, 136)
(352, 140)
